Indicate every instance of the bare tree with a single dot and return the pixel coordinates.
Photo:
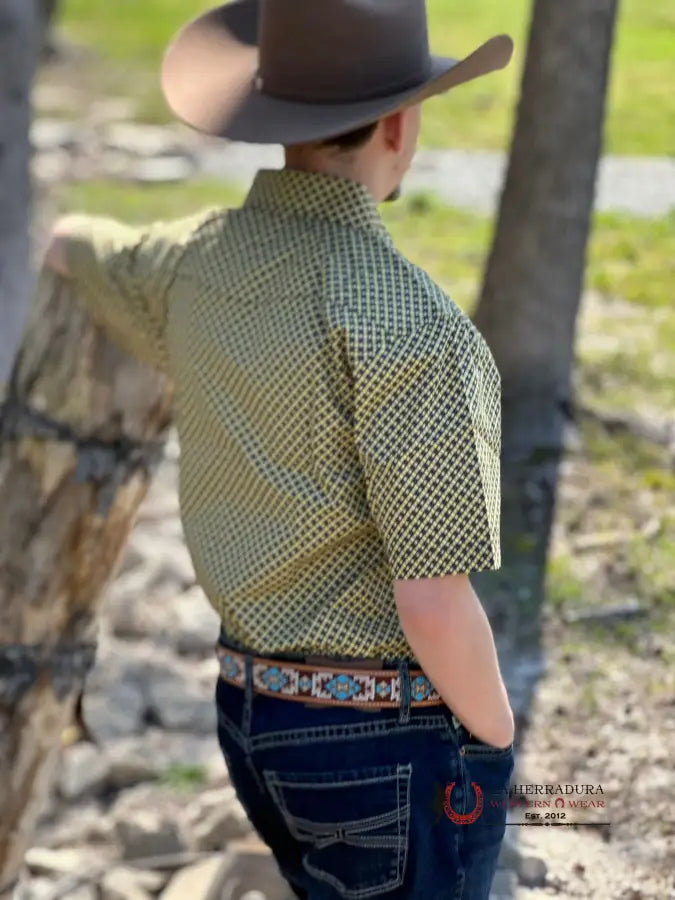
(19, 43)
(534, 277)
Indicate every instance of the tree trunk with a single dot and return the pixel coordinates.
(19, 42)
(80, 431)
(530, 298)
(47, 12)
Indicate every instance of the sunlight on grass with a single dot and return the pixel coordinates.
(629, 257)
(635, 259)
(564, 589)
(132, 36)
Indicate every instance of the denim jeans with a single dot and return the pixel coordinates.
(355, 803)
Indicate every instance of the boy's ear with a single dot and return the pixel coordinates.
(392, 129)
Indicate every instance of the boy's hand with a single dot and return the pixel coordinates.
(56, 257)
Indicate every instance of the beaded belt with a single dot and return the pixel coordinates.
(333, 685)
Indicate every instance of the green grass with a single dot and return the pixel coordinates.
(631, 258)
(184, 778)
(131, 35)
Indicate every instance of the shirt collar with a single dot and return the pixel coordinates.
(316, 195)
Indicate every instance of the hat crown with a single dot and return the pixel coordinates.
(336, 51)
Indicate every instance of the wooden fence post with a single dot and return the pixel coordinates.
(82, 427)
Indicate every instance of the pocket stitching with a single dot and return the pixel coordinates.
(397, 843)
(368, 823)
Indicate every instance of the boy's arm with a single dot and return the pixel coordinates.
(124, 275)
(428, 432)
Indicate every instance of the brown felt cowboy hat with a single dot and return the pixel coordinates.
(289, 71)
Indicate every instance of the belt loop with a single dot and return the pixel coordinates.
(404, 679)
(248, 695)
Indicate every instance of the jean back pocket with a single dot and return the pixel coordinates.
(354, 824)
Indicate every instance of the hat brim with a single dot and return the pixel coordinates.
(208, 80)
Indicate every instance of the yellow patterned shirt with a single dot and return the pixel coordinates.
(339, 416)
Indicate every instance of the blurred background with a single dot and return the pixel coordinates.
(141, 776)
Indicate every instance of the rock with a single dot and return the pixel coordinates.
(208, 801)
(196, 623)
(178, 704)
(153, 563)
(137, 605)
(504, 885)
(77, 825)
(129, 764)
(146, 833)
(122, 883)
(132, 558)
(46, 889)
(82, 892)
(169, 753)
(114, 701)
(34, 889)
(66, 861)
(85, 771)
(531, 871)
(116, 713)
(153, 796)
(53, 134)
(56, 98)
(175, 567)
(172, 446)
(159, 508)
(217, 826)
(201, 881)
(253, 868)
(51, 165)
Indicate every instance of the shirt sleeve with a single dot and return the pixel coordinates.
(428, 433)
(124, 275)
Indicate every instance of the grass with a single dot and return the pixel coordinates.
(627, 259)
(131, 36)
(630, 258)
(182, 777)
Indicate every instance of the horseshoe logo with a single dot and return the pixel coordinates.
(463, 818)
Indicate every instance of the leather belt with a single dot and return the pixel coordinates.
(327, 685)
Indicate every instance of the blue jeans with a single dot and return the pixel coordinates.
(357, 803)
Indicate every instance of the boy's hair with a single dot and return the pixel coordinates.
(350, 140)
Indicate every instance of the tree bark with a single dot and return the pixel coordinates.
(530, 298)
(80, 431)
(47, 11)
(19, 43)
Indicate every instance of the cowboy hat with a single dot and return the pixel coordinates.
(289, 71)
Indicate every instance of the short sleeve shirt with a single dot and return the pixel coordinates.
(338, 414)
